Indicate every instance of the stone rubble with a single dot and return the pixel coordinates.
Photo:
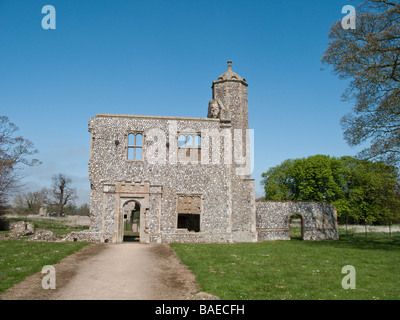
(21, 228)
(44, 235)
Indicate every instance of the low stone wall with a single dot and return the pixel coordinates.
(88, 236)
(197, 237)
(45, 235)
(319, 220)
(69, 220)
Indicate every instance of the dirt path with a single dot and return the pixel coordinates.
(113, 271)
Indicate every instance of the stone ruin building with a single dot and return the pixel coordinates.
(184, 179)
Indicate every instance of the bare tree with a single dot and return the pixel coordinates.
(29, 203)
(15, 151)
(62, 192)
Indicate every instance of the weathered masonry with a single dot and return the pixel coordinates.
(179, 179)
(181, 174)
(318, 220)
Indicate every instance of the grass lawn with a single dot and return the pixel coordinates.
(128, 230)
(297, 269)
(20, 258)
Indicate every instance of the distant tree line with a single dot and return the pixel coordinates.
(31, 202)
(361, 190)
(59, 199)
(16, 152)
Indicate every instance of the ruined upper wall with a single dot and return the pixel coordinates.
(109, 164)
(217, 170)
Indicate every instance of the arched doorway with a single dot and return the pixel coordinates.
(296, 227)
(131, 220)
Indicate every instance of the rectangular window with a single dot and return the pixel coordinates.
(135, 146)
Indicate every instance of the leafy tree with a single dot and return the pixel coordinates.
(15, 152)
(316, 178)
(277, 182)
(369, 56)
(373, 195)
(361, 190)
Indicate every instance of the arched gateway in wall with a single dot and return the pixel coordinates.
(131, 220)
(318, 220)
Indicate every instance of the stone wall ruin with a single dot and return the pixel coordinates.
(189, 176)
(319, 220)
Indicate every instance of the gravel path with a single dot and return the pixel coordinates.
(126, 271)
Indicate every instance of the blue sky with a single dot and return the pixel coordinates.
(160, 58)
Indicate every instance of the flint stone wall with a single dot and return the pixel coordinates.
(44, 235)
(115, 181)
(319, 220)
(87, 236)
(21, 228)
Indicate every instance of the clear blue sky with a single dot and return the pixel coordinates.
(160, 58)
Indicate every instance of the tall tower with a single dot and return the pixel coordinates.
(229, 93)
(231, 89)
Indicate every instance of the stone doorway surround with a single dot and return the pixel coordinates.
(126, 192)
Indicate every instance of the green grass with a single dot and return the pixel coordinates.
(20, 258)
(297, 269)
(128, 230)
(295, 232)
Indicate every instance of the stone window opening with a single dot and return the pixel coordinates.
(189, 141)
(91, 147)
(189, 210)
(189, 147)
(135, 146)
(191, 222)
